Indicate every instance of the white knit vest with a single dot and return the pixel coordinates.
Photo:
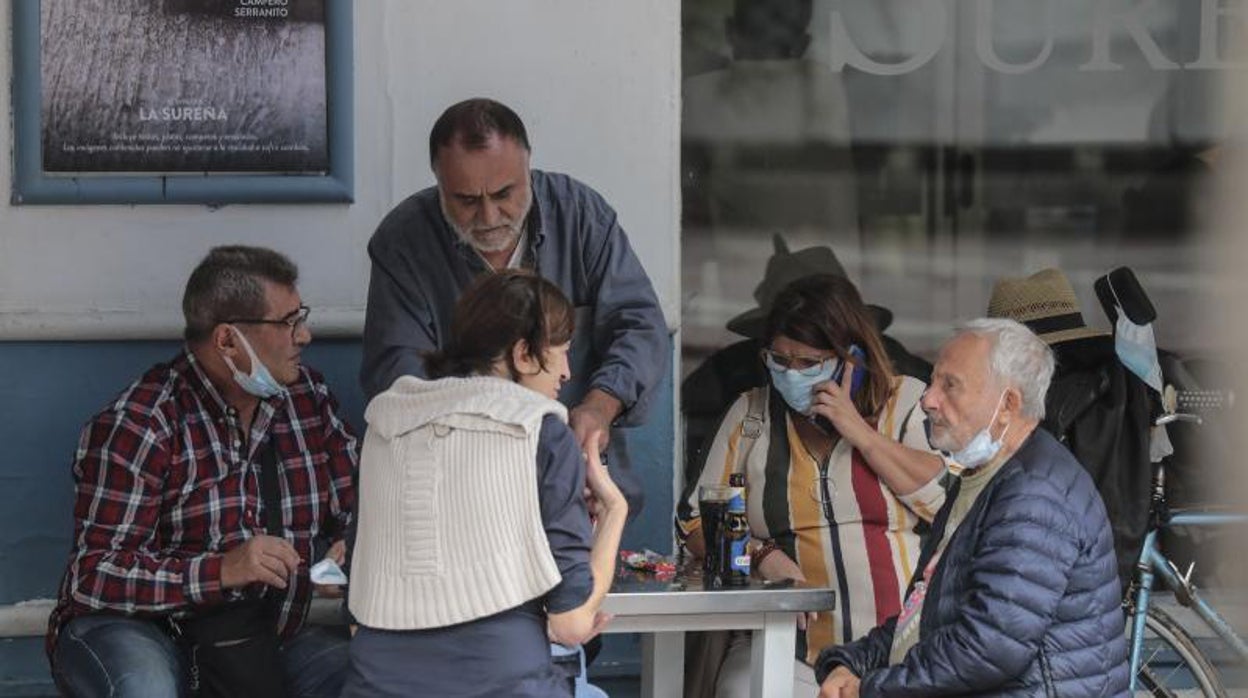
(450, 527)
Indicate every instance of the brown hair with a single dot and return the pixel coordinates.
(826, 312)
(498, 310)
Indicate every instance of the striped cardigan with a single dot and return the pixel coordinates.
(869, 551)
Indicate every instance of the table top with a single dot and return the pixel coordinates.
(639, 593)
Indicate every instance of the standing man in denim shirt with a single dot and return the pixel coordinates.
(490, 211)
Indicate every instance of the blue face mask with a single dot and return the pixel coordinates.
(982, 448)
(260, 382)
(797, 389)
(1136, 348)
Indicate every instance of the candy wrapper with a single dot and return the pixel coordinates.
(649, 561)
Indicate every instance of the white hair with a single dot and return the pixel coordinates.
(1017, 358)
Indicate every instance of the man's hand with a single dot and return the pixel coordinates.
(338, 553)
(841, 683)
(263, 559)
(591, 420)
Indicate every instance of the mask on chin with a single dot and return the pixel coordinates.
(982, 448)
(259, 382)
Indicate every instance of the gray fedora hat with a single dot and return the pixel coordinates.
(784, 268)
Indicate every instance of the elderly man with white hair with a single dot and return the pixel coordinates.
(1016, 592)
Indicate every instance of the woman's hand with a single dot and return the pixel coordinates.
(902, 468)
(603, 494)
(807, 619)
(778, 565)
(832, 401)
(610, 510)
(601, 621)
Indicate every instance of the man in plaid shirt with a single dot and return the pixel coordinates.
(169, 516)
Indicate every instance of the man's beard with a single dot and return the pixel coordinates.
(945, 441)
(499, 238)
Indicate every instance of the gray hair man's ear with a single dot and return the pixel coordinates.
(1013, 401)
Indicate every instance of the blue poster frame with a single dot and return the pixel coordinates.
(32, 186)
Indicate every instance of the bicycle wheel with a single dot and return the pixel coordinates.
(1170, 662)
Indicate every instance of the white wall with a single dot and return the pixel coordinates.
(596, 81)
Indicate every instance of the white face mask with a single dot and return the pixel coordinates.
(259, 382)
(982, 448)
(798, 389)
(1136, 348)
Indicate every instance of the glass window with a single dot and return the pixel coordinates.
(937, 146)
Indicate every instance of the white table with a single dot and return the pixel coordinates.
(664, 611)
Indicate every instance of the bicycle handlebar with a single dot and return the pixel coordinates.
(1177, 417)
(1175, 401)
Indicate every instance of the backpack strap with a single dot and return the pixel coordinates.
(270, 489)
(752, 426)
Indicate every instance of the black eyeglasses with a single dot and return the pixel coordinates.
(294, 320)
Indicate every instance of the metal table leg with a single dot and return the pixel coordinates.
(663, 664)
(771, 656)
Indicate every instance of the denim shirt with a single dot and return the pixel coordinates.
(420, 267)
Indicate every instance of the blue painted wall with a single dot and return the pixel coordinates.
(49, 389)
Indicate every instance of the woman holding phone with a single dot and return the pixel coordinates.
(840, 478)
(475, 547)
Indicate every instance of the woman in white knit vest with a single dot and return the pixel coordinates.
(475, 541)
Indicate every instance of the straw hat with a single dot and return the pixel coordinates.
(785, 267)
(1045, 302)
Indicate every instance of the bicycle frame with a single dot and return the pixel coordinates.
(1152, 564)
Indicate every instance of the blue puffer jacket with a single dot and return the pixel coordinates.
(1024, 600)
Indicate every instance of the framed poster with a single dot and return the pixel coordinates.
(182, 101)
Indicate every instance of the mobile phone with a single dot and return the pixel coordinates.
(860, 375)
(860, 369)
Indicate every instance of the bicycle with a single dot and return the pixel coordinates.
(1165, 659)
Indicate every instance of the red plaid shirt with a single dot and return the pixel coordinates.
(164, 487)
